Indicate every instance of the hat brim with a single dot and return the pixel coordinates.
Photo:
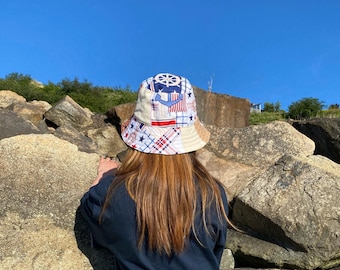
(165, 141)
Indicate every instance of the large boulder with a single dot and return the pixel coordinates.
(37, 243)
(11, 124)
(294, 204)
(44, 174)
(325, 133)
(233, 175)
(121, 113)
(108, 140)
(32, 111)
(68, 113)
(259, 145)
(70, 134)
(8, 97)
(41, 182)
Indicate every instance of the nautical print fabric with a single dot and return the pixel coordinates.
(165, 108)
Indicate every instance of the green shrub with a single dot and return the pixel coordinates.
(305, 108)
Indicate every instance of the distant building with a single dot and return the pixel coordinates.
(255, 107)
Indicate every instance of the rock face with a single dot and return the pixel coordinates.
(222, 110)
(283, 197)
(325, 133)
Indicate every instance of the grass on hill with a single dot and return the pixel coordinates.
(96, 98)
(331, 113)
(265, 117)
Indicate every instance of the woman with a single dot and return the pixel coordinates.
(160, 209)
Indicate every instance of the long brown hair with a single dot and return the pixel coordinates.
(164, 188)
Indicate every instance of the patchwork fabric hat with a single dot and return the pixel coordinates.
(165, 118)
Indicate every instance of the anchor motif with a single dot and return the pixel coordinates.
(167, 83)
(168, 102)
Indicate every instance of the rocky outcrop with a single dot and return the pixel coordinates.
(283, 197)
(325, 132)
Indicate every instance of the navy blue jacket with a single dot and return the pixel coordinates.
(118, 233)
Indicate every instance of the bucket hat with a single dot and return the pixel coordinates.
(165, 118)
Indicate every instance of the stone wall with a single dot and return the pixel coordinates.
(222, 110)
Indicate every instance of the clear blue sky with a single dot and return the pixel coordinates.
(262, 50)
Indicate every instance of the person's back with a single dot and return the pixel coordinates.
(161, 209)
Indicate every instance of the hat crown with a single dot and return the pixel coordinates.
(166, 100)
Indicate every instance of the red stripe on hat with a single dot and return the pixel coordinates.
(179, 106)
(163, 123)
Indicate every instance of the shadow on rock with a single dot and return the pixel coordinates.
(100, 258)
